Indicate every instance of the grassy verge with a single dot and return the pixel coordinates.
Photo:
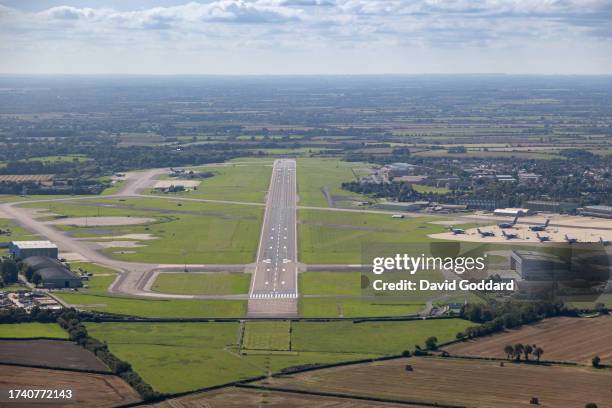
(181, 232)
(357, 307)
(330, 283)
(156, 307)
(315, 173)
(233, 182)
(216, 283)
(327, 237)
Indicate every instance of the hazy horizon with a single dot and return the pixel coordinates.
(306, 37)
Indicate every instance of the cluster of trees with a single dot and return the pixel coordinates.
(69, 320)
(402, 192)
(8, 272)
(21, 316)
(519, 350)
(496, 316)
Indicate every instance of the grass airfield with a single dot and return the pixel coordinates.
(181, 232)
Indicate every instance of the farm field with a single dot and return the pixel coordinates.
(314, 173)
(177, 357)
(180, 231)
(234, 182)
(242, 397)
(327, 237)
(267, 335)
(30, 330)
(383, 338)
(460, 382)
(89, 390)
(562, 338)
(49, 353)
(195, 283)
(144, 307)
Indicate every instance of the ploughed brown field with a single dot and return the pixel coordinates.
(472, 383)
(241, 397)
(89, 390)
(562, 338)
(49, 353)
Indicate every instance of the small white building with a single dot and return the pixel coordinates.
(25, 249)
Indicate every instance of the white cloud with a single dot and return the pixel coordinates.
(311, 28)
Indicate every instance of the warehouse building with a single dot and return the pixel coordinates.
(599, 211)
(537, 266)
(551, 206)
(26, 249)
(512, 212)
(52, 273)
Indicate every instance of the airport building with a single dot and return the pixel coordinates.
(551, 206)
(599, 211)
(512, 212)
(26, 249)
(537, 266)
(398, 206)
(53, 274)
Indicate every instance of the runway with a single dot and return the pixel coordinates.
(274, 289)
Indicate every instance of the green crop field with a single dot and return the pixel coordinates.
(336, 237)
(178, 357)
(235, 182)
(315, 173)
(143, 307)
(267, 335)
(187, 232)
(384, 338)
(358, 307)
(330, 283)
(30, 330)
(215, 283)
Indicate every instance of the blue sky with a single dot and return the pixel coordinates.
(306, 36)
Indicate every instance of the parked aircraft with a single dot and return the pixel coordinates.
(571, 239)
(540, 227)
(485, 233)
(510, 235)
(508, 224)
(543, 238)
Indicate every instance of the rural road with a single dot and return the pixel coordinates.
(274, 283)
